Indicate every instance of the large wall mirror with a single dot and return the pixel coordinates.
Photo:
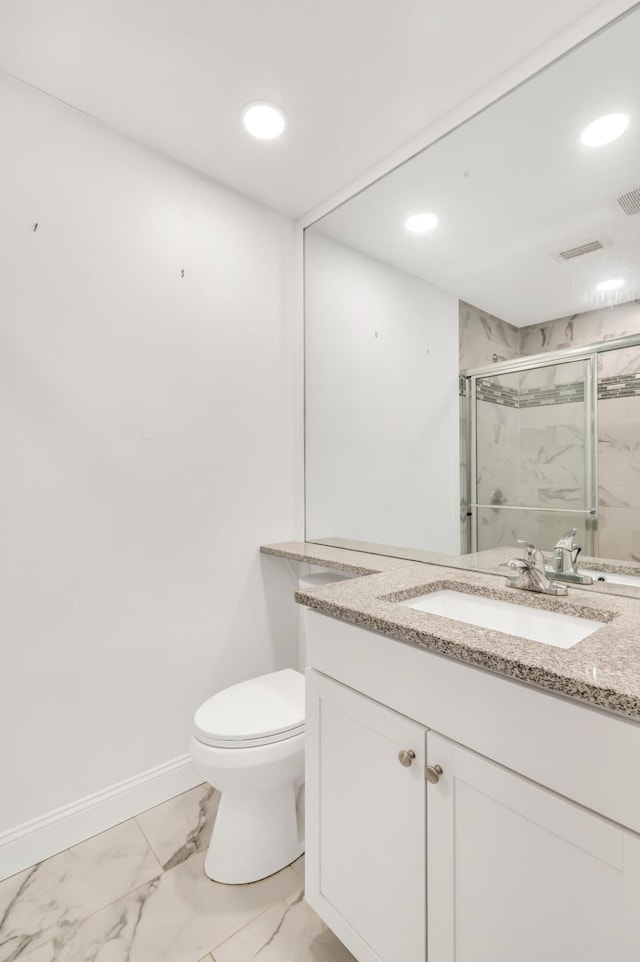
(473, 329)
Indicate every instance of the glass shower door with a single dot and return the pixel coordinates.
(533, 467)
(619, 453)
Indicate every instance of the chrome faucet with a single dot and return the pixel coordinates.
(564, 566)
(530, 576)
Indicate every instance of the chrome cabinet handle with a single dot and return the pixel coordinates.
(432, 773)
(405, 757)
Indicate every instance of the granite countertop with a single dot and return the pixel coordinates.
(603, 670)
(494, 561)
(329, 556)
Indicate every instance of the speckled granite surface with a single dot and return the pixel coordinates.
(387, 550)
(603, 670)
(495, 560)
(356, 562)
(615, 567)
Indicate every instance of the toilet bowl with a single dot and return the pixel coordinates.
(248, 742)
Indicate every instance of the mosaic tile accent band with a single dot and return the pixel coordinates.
(621, 385)
(493, 392)
(536, 397)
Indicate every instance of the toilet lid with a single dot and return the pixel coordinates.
(266, 708)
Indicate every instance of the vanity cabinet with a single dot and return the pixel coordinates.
(516, 873)
(365, 825)
(484, 863)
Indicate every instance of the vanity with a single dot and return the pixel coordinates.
(472, 795)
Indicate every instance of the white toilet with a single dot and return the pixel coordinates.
(248, 742)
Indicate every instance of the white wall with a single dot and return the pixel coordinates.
(147, 444)
(382, 411)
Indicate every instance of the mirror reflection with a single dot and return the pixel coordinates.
(473, 329)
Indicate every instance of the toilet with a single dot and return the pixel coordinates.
(248, 742)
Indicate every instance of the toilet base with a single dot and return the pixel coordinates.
(257, 836)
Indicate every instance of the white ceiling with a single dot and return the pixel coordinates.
(358, 78)
(514, 186)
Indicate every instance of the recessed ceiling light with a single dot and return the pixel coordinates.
(613, 285)
(421, 223)
(604, 130)
(263, 120)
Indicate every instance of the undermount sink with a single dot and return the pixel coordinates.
(611, 576)
(535, 624)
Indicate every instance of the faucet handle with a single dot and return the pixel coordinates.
(532, 553)
(566, 541)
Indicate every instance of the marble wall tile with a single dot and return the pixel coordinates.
(482, 335)
(628, 453)
(497, 452)
(44, 953)
(181, 826)
(587, 328)
(614, 447)
(617, 496)
(615, 363)
(290, 932)
(537, 527)
(619, 409)
(549, 454)
(178, 917)
(37, 905)
(612, 475)
(616, 542)
(547, 336)
(477, 352)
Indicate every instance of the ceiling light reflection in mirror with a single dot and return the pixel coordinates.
(604, 130)
(264, 120)
(516, 189)
(421, 223)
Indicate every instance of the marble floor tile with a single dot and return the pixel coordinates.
(38, 904)
(178, 917)
(289, 932)
(298, 867)
(44, 953)
(182, 826)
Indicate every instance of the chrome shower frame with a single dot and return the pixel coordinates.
(588, 353)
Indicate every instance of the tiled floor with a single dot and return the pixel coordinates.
(138, 893)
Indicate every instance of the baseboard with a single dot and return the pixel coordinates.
(49, 834)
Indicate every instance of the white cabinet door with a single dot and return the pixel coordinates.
(365, 863)
(517, 873)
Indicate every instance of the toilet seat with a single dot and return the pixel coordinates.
(256, 712)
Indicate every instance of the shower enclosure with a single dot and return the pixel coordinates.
(533, 462)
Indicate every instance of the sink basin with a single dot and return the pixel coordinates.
(611, 576)
(547, 627)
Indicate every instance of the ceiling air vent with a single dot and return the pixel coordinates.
(630, 202)
(595, 245)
